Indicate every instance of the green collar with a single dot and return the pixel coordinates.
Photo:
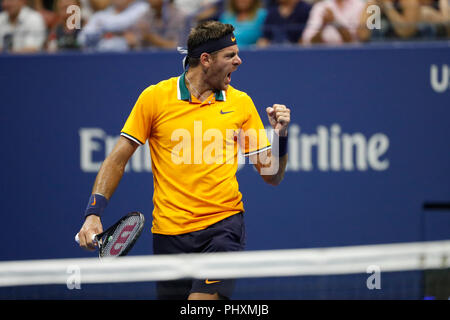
(184, 94)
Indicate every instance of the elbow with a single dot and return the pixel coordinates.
(272, 180)
(275, 183)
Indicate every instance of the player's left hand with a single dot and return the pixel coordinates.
(279, 117)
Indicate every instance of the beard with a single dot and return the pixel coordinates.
(218, 79)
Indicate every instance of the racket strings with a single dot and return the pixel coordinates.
(120, 239)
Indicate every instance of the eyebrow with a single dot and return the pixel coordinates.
(231, 53)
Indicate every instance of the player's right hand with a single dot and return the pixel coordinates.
(92, 226)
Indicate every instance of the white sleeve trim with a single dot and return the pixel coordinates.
(131, 138)
(257, 151)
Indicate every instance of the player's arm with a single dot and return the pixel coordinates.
(106, 182)
(272, 166)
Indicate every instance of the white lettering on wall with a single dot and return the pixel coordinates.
(328, 149)
(440, 80)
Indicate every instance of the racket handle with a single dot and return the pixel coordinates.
(77, 238)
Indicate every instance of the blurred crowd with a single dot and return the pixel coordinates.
(120, 25)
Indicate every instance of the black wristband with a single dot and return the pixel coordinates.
(97, 203)
(282, 145)
(279, 145)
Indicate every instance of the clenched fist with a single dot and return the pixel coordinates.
(279, 117)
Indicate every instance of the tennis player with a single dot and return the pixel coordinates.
(195, 123)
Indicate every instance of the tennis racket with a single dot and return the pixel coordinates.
(118, 239)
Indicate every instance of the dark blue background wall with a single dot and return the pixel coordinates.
(393, 100)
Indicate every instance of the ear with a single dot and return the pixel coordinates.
(205, 59)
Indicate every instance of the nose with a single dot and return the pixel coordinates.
(237, 60)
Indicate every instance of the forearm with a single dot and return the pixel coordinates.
(108, 177)
(317, 38)
(158, 41)
(271, 164)
(125, 19)
(403, 24)
(345, 34)
(106, 182)
(280, 164)
(112, 169)
(364, 33)
(271, 167)
(397, 20)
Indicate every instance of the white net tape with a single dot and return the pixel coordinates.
(248, 264)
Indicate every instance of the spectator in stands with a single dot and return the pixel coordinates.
(45, 8)
(64, 35)
(196, 11)
(89, 7)
(247, 17)
(399, 20)
(285, 22)
(334, 22)
(115, 28)
(200, 10)
(436, 15)
(163, 26)
(22, 29)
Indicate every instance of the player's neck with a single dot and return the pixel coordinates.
(197, 85)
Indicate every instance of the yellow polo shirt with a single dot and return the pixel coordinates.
(194, 151)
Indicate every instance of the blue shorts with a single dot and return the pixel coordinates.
(225, 235)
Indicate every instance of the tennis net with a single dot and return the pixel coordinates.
(416, 270)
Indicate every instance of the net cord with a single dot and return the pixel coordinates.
(247, 264)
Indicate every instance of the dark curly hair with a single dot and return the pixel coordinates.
(204, 32)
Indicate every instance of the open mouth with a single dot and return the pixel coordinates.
(228, 77)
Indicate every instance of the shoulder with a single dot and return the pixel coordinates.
(168, 84)
(319, 7)
(31, 17)
(139, 5)
(241, 101)
(261, 13)
(234, 94)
